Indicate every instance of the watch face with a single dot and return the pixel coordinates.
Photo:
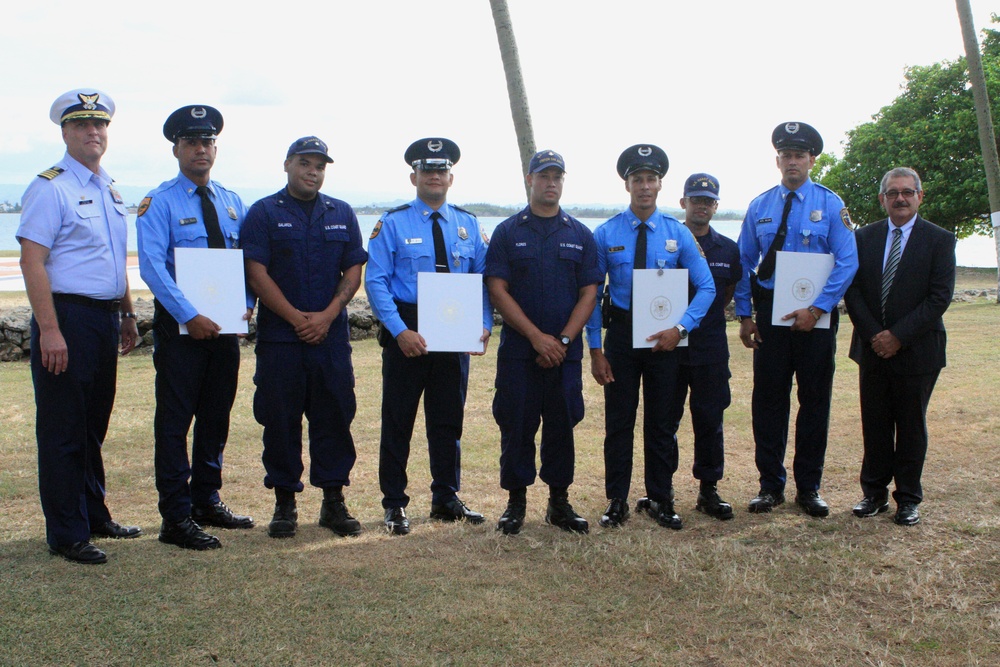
(565, 340)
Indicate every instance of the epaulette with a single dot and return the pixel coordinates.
(459, 208)
(51, 173)
(398, 208)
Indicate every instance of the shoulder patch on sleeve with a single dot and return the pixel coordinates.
(378, 228)
(51, 173)
(398, 208)
(845, 217)
(143, 206)
(486, 239)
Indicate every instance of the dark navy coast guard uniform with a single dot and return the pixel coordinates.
(82, 220)
(306, 256)
(703, 366)
(817, 223)
(195, 379)
(545, 261)
(400, 247)
(670, 245)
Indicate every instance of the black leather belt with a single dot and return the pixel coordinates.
(110, 305)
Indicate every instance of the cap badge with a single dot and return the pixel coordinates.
(791, 128)
(198, 112)
(89, 101)
(435, 146)
(645, 151)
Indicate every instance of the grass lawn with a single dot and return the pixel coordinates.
(758, 590)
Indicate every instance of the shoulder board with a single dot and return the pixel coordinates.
(398, 208)
(51, 173)
(459, 208)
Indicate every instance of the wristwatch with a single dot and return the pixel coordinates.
(565, 340)
(128, 316)
(745, 317)
(682, 331)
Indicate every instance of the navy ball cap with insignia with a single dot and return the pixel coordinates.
(702, 185)
(542, 160)
(194, 120)
(432, 153)
(798, 136)
(643, 157)
(82, 103)
(309, 146)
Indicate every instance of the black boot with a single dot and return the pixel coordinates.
(560, 513)
(334, 515)
(286, 517)
(711, 504)
(513, 517)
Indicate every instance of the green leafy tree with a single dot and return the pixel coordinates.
(930, 127)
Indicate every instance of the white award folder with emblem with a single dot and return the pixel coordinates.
(212, 279)
(450, 311)
(799, 277)
(659, 299)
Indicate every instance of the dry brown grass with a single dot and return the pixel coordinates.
(758, 590)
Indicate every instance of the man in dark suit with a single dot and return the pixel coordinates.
(903, 286)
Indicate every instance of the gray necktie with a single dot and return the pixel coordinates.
(890, 266)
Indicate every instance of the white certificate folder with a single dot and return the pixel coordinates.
(799, 277)
(212, 279)
(659, 300)
(450, 311)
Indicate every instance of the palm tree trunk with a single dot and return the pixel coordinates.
(515, 84)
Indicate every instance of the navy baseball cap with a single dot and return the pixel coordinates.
(545, 159)
(797, 136)
(432, 154)
(195, 120)
(307, 146)
(643, 157)
(82, 103)
(702, 185)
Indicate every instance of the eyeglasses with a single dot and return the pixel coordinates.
(894, 194)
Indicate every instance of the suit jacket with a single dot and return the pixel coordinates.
(921, 291)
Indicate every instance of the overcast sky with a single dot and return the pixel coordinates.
(705, 81)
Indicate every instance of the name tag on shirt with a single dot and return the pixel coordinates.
(187, 221)
(413, 241)
(617, 248)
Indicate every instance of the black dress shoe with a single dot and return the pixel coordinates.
(711, 504)
(116, 530)
(455, 510)
(512, 519)
(661, 511)
(333, 514)
(616, 514)
(220, 516)
(765, 501)
(187, 534)
(561, 515)
(812, 503)
(907, 514)
(80, 552)
(871, 505)
(396, 522)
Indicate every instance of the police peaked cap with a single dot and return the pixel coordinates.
(432, 153)
(799, 136)
(195, 120)
(643, 157)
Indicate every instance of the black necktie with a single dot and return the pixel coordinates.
(766, 268)
(211, 217)
(440, 254)
(639, 261)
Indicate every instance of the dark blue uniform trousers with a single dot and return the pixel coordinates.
(809, 357)
(441, 377)
(527, 396)
(710, 396)
(195, 380)
(657, 373)
(72, 411)
(315, 380)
